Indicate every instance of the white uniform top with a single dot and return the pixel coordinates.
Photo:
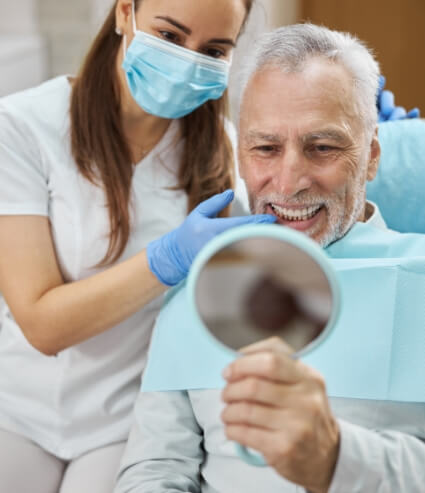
(81, 398)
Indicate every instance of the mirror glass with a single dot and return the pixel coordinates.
(260, 287)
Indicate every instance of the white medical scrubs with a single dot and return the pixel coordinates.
(82, 398)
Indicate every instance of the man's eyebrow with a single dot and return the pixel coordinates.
(255, 135)
(325, 134)
(173, 22)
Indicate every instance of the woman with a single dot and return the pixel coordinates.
(94, 174)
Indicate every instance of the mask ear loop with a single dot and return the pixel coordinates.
(133, 19)
(133, 13)
(124, 45)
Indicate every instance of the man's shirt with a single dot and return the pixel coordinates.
(178, 445)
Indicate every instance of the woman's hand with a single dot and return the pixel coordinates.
(171, 256)
(387, 108)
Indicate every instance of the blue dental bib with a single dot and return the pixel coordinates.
(376, 350)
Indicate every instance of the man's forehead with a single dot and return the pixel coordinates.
(310, 76)
(317, 100)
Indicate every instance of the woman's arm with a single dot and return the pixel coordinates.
(55, 315)
(52, 314)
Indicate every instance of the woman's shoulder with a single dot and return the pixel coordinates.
(35, 123)
(42, 106)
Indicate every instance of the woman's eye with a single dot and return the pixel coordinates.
(214, 52)
(169, 36)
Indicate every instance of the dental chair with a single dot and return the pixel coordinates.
(399, 185)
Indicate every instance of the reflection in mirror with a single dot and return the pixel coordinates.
(261, 287)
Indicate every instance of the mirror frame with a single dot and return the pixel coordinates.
(278, 232)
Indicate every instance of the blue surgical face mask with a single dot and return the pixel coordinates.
(169, 81)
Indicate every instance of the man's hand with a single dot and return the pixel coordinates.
(279, 407)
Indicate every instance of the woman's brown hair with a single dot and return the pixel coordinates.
(103, 156)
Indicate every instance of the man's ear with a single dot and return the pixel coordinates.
(375, 155)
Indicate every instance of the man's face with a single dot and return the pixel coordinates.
(303, 150)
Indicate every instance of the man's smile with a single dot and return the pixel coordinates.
(301, 217)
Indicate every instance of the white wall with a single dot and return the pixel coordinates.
(265, 16)
(43, 38)
(99, 11)
(23, 62)
(67, 27)
(23, 49)
(281, 12)
(18, 17)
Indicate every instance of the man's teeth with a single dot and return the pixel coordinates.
(296, 215)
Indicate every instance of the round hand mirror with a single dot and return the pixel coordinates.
(259, 281)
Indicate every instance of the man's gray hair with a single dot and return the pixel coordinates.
(291, 47)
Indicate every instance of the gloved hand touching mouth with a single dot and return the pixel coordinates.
(171, 255)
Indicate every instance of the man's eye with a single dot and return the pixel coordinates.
(265, 149)
(324, 148)
(169, 36)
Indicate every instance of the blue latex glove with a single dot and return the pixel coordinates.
(171, 255)
(387, 108)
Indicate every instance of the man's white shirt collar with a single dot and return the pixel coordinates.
(376, 218)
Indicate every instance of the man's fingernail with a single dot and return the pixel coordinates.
(226, 373)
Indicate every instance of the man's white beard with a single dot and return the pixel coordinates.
(343, 223)
(339, 222)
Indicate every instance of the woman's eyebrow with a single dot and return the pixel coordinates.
(172, 21)
(223, 41)
(188, 31)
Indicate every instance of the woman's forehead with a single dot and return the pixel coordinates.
(214, 18)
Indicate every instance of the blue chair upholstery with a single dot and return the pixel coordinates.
(399, 187)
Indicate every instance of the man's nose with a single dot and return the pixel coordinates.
(292, 174)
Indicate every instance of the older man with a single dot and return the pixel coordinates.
(308, 144)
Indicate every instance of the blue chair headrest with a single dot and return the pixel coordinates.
(399, 187)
